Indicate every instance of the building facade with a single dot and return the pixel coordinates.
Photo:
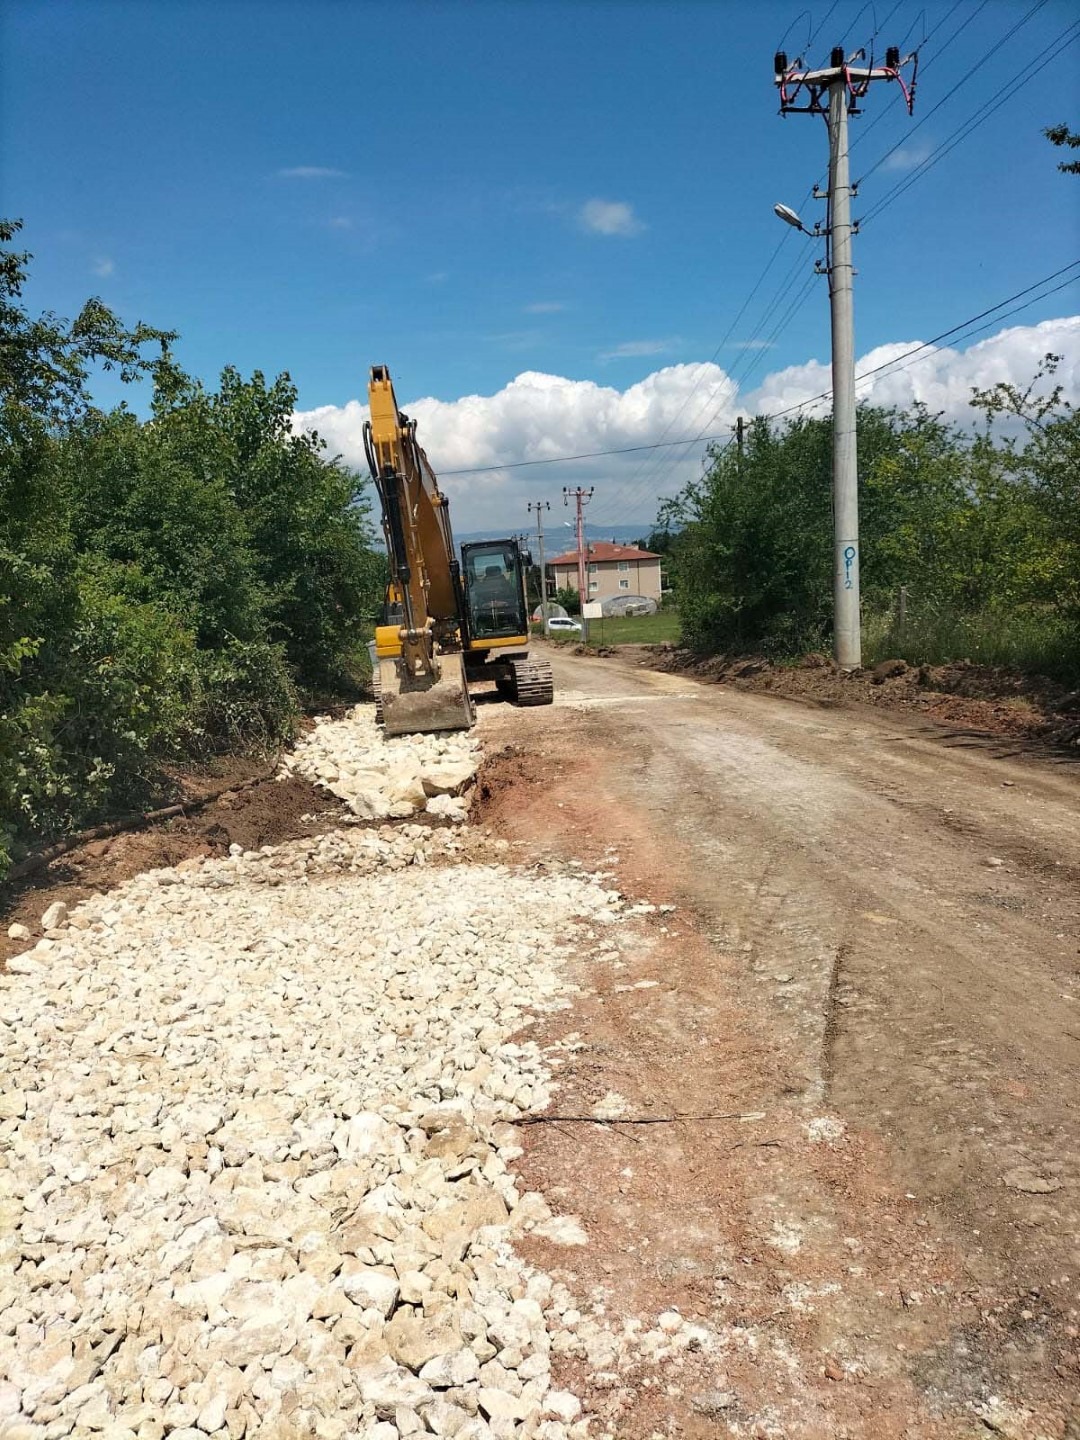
(612, 570)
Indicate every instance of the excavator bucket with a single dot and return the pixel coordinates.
(411, 704)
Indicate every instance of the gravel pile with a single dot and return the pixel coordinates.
(382, 777)
(255, 1151)
(255, 1129)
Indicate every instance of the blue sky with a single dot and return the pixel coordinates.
(471, 191)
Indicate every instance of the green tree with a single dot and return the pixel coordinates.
(309, 519)
(163, 584)
(752, 563)
(1061, 135)
(1036, 476)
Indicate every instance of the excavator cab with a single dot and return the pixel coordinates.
(494, 581)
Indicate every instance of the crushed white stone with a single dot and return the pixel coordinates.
(825, 1130)
(611, 1106)
(254, 1153)
(381, 777)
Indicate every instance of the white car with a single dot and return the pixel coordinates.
(563, 625)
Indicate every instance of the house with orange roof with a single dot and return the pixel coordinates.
(612, 570)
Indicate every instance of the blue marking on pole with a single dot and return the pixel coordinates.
(849, 561)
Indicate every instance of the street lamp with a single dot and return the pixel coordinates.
(789, 217)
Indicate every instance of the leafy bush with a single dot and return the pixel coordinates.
(246, 700)
(981, 529)
(165, 586)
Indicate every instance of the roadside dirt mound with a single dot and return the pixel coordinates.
(979, 697)
(265, 814)
(502, 772)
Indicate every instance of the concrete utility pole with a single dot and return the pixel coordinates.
(805, 91)
(581, 498)
(540, 506)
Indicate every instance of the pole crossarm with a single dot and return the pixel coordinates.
(806, 92)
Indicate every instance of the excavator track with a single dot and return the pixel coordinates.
(533, 682)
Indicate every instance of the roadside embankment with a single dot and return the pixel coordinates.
(986, 698)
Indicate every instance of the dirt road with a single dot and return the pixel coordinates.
(874, 953)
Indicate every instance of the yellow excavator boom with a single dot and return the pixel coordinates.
(421, 671)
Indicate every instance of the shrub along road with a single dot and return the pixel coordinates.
(874, 951)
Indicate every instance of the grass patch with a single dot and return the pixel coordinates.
(636, 629)
(1035, 641)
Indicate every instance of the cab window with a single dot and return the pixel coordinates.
(496, 605)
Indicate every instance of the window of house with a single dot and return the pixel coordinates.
(624, 584)
(593, 584)
(592, 568)
(624, 564)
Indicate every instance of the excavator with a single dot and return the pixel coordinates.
(446, 623)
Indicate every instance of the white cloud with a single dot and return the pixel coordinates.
(103, 267)
(610, 217)
(544, 307)
(909, 156)
(941, 378)
(340, 222)
(538, 416)
(520, 340)
(630, 349)
(311, 172)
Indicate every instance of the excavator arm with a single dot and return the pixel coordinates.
(421, 670)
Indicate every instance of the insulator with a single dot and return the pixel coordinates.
(837, 58)
(892, 57)
(780, 63)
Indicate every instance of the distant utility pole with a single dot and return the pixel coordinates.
(539, 506)
(803, 92)
(581, 499)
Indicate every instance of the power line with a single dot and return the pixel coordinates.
(944, 21)
(727, 336)
(632, 493)
(1015, 82)
(560, 459)
(945, 334)
(925, 65)
(646, 472)
(896, 368)
(824, 395)
(884, 24)
(951, 92)
(821, 24)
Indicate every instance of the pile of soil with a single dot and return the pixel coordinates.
(266, 813)
(987, 698)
